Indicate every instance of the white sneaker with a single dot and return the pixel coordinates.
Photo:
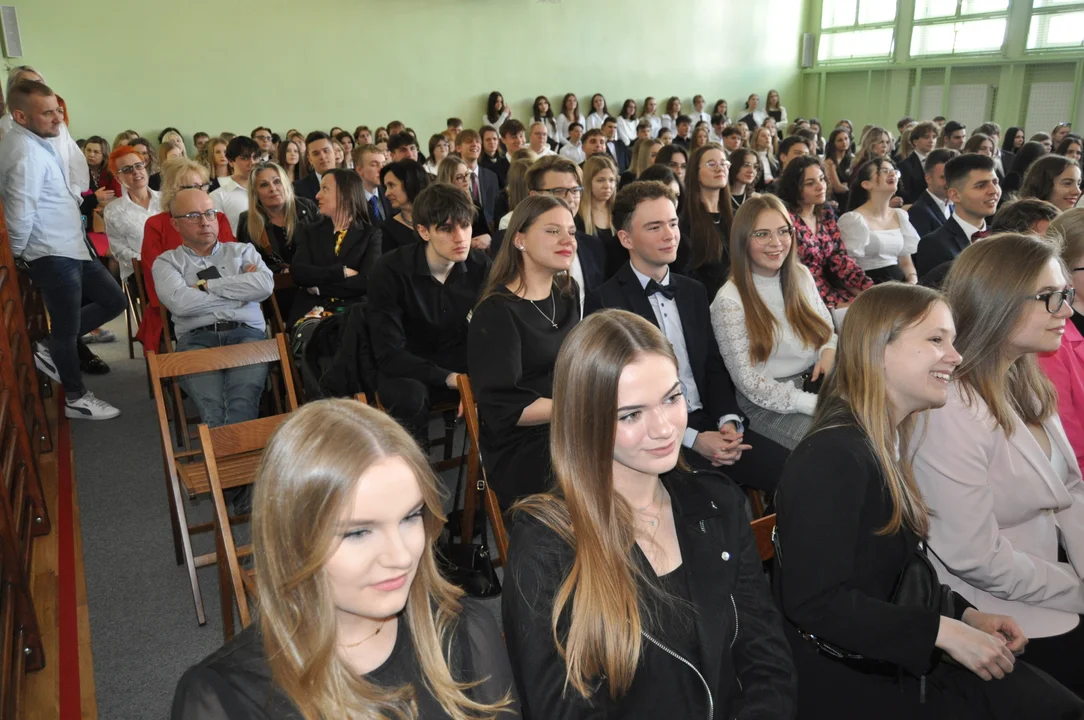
(44, 361)
(89, 407)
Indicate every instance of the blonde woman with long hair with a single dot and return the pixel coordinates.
(274, 216)
(516, 191)
(875, 142)
(995, 465)
(634, 589)
(849, 519)
(773, 329)
(643, 157)
(354, 617)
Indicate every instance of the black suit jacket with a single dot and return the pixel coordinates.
(913, 177)
(925, 215)
(490, 188)
(940, 246)
(592, 260)
(623, 291)
(307, 187)
(316, 264)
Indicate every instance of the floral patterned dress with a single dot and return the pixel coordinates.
(839, 278)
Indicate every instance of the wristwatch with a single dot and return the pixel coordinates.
(202, 285)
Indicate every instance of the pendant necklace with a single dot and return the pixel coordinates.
(549, 319)
(654, 520)
(370, 637)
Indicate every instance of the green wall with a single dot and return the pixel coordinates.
(234, 64)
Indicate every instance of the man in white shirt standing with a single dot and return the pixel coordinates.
(46, 232)
(573, 149)
(231, 197)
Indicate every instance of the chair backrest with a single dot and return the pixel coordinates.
(762, 533)
(476, 480)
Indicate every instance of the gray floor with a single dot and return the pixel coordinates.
(143, 625)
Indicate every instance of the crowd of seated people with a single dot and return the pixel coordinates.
(650, 311)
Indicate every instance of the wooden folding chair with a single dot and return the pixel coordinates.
(186, 468)
(762, 533)
(133, 313)
(476, 478)
(225, 445)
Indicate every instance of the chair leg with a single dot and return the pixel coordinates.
(186, 544)
(224, 591)
(449, 434)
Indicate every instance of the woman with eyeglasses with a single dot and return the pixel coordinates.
(453, 171)
(995, 466)
(1059, 132)
(744, 172)
(773, 328)
(705, 221)
(820, 248)
(879, 237)
(126, 216)
(159, 235)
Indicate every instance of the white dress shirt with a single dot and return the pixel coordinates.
(700, 117)
(500, 120)
(940, 204)
(72, 160)
(595, 120)
(574, 152)
(626, 130)
(969, 229)
(231, 199)
(124, 223)
(562, 126)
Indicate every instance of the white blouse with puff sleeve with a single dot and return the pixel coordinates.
(876, 249)
(790, 356)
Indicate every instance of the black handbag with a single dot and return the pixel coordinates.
(467, 563)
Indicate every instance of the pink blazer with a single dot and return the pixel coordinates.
(1065, 368)
(997, 510)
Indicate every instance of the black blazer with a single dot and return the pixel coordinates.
(940, 246)
(743, 656)
(623, 291)
(498, 165)
(925, 215)
(592, 260)
(489, 187)
(317, 265)
(913, 179)
(307, 187)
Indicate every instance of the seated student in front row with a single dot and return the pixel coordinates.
(633, 591)
(773, 328)
(354, 619)
(527, 308)
(849, 519)
(420, 298)
(995, 466)
(646, 224)
(214, 291)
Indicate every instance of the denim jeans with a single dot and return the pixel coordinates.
(225, 396)
(63, 283)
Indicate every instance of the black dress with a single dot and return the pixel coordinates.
(835, 578)
(396, 235)
(234, 683)
(614, 252)
(713, 275)
(511, 351)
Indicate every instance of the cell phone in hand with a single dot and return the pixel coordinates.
(210, 273)
(810, 385)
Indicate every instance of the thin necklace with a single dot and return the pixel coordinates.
(375, 633)
(550, 319)
(654, 520)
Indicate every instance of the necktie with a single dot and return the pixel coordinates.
(374, 208)
(979, 235)
(474, 189)
(951, 208)
(668, 291)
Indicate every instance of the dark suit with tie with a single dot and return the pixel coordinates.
(925, 215)
(913, 178)
(307, 187)
(760, 467)
(940, 246)
(384, 207)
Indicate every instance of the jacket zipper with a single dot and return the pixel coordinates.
(671, 653)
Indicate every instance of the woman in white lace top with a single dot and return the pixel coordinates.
(126, 216)
(879, 237)
(773, 329)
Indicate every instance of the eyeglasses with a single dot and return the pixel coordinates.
(888, 171)
(678, 166)
(764, 237)
(1056, 299)
(200, 186)
(129, 169)
(462, 178)
(716, 164)
(261, 137)
(195, 217)
(564, 193)
(749, 166)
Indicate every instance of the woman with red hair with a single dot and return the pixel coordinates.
(126, 216)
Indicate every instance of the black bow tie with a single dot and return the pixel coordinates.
(668, 291)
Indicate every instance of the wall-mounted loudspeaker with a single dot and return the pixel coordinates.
(807, 50)
(13, 44)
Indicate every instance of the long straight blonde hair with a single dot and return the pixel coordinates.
(305, 480)
(605, 585)
(257, 220)
(594, 165)
(760, 323)
(989, 287)
(856, 391)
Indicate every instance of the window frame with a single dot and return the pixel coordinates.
(1036, 12)
(857, 26)
(959, 17)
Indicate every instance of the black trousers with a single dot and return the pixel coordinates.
(409, 401)
(759, 468)
(885, 274)
(1061, 657)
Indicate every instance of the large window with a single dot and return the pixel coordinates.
(1056, 24)
(952, 27)
(853, 29)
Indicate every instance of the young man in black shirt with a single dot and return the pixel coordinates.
(419, 299)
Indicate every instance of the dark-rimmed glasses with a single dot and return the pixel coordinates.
(1056, 299)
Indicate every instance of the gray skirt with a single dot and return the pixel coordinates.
(787, 429)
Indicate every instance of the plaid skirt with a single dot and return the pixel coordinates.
(787, 429)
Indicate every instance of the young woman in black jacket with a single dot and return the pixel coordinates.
(849, 518)
(334, 256)
(652, 586)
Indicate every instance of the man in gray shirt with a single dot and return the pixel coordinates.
(214, 291)
(45, 228)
